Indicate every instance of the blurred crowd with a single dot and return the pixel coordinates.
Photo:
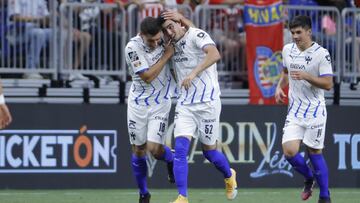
(90, 35)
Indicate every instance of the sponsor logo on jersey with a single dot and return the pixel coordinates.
(308, 59)
(297, 66)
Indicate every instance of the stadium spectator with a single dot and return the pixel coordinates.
(149, 101)
(198, 107)
(306, 118)
(82, 42)
(5, 115)
(36, 18)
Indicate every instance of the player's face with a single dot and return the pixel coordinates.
(172, 29)
(152, 41)
(301, 36)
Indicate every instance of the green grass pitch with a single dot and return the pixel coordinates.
(289, 195)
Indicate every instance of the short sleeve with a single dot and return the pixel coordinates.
(202, 39)
(135, 58)
(325, 68)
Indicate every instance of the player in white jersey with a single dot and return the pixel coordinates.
(5, 115)
(198, 108)
(308, 72)
(149, 101)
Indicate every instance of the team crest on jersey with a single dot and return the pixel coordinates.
(182, 44)
(267, 69)
(308, 59)
(133, 56)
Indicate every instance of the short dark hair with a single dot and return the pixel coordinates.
(161, 20)
(300, 21)
(150, 26)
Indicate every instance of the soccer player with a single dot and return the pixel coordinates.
(149, 100)
(308, 72)
(198, 107)
(5, 116)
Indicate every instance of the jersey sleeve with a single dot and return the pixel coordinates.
(201, 38)
(283, 55)
(135, 58)
(325, 68)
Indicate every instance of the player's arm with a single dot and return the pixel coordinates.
(323, 82)
(177, 17)
(324, 79)
(5, 116)
(150, 74)
(283, 82)
(212, 56)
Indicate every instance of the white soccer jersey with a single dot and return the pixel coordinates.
(306, 100)
(139, 58)
(188, 54)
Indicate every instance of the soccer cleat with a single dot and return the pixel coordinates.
(324, 200)
(145, 198)
(308, 189)
(231, 185)
(170, 167)
(181, 199)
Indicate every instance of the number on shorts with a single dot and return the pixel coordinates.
(162, 127)
(208, 129)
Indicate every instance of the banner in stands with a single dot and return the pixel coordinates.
(48, 146)
(264, 34)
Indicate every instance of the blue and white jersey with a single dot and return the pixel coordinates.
(306, 100)
(140, 58)
(188, 54)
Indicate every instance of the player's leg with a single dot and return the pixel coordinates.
(314, 140)
(184, 127)
(139, 167)
(293, 134)
(157, 131)
(137, 127)
(163, 153)
(208, 129)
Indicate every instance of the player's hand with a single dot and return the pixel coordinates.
(169, 49)
(279, 96)
(299, 75)
(5, 116)
(186, 83)
(172, 15)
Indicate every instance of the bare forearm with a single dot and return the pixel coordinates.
(325, 83)
(186, 22)
(284, 80)
(155, 69)
(210, 58)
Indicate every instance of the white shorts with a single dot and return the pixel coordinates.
(310, 130)
(148, 123)
(199, 121)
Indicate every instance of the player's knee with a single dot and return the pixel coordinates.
(157, 152)
(290, 152)
(291, 148)
(139, 151)
(314, 151)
